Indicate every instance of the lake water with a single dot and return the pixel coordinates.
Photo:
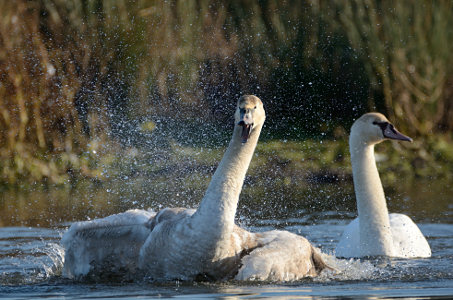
(32, 224)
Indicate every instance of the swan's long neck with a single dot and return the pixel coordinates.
(215, 215)
(375, 234)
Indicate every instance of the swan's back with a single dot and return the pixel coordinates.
(408, 240)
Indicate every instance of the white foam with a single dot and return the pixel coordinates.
(347, 269)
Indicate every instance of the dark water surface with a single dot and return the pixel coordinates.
(32, 224)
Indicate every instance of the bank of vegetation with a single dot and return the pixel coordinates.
(85, 84)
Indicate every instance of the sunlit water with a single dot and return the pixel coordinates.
(31, 258)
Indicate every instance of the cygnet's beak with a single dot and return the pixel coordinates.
(246, 121)
(390, 132)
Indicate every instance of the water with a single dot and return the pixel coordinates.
(31, 257)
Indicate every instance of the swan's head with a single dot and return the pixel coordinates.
(249, 115)
(373, 128)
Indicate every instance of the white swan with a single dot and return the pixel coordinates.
(192, 244)
(376, 232)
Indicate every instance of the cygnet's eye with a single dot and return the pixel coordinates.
(380, 123)
(254, 107)
(383, 125)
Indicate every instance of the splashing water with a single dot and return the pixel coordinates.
(347, 269)
(29, 255)
(31, 258)
(31, 262)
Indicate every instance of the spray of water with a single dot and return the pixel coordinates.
(348, 269)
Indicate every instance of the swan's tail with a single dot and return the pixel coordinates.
(318, 262)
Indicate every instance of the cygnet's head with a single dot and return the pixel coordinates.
(373, 128)
(249, 115)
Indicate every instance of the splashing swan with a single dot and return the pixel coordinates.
(376, 232)
(191, 244)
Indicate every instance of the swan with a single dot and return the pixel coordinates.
(375, 232)
(201, 244)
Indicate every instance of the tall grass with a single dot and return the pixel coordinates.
(61, 72)
(77, 78)
(406, 47)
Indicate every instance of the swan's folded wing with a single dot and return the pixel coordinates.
(349, 244)
(283, 256)
(169, 214)
(110, 244)
(408, 240)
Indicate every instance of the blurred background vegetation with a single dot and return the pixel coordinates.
(86, 85)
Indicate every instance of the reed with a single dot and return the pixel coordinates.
(59, 67)
(406, 48)
(79, 80)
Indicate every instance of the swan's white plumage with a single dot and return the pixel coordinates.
(408, 240)
(205, 243)
(112, 242)
(374, 231)
(283, 256)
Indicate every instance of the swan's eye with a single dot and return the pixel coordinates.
(380, 123)
(254, 107)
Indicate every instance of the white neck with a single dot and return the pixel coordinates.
(218, 207)
(375, 234)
